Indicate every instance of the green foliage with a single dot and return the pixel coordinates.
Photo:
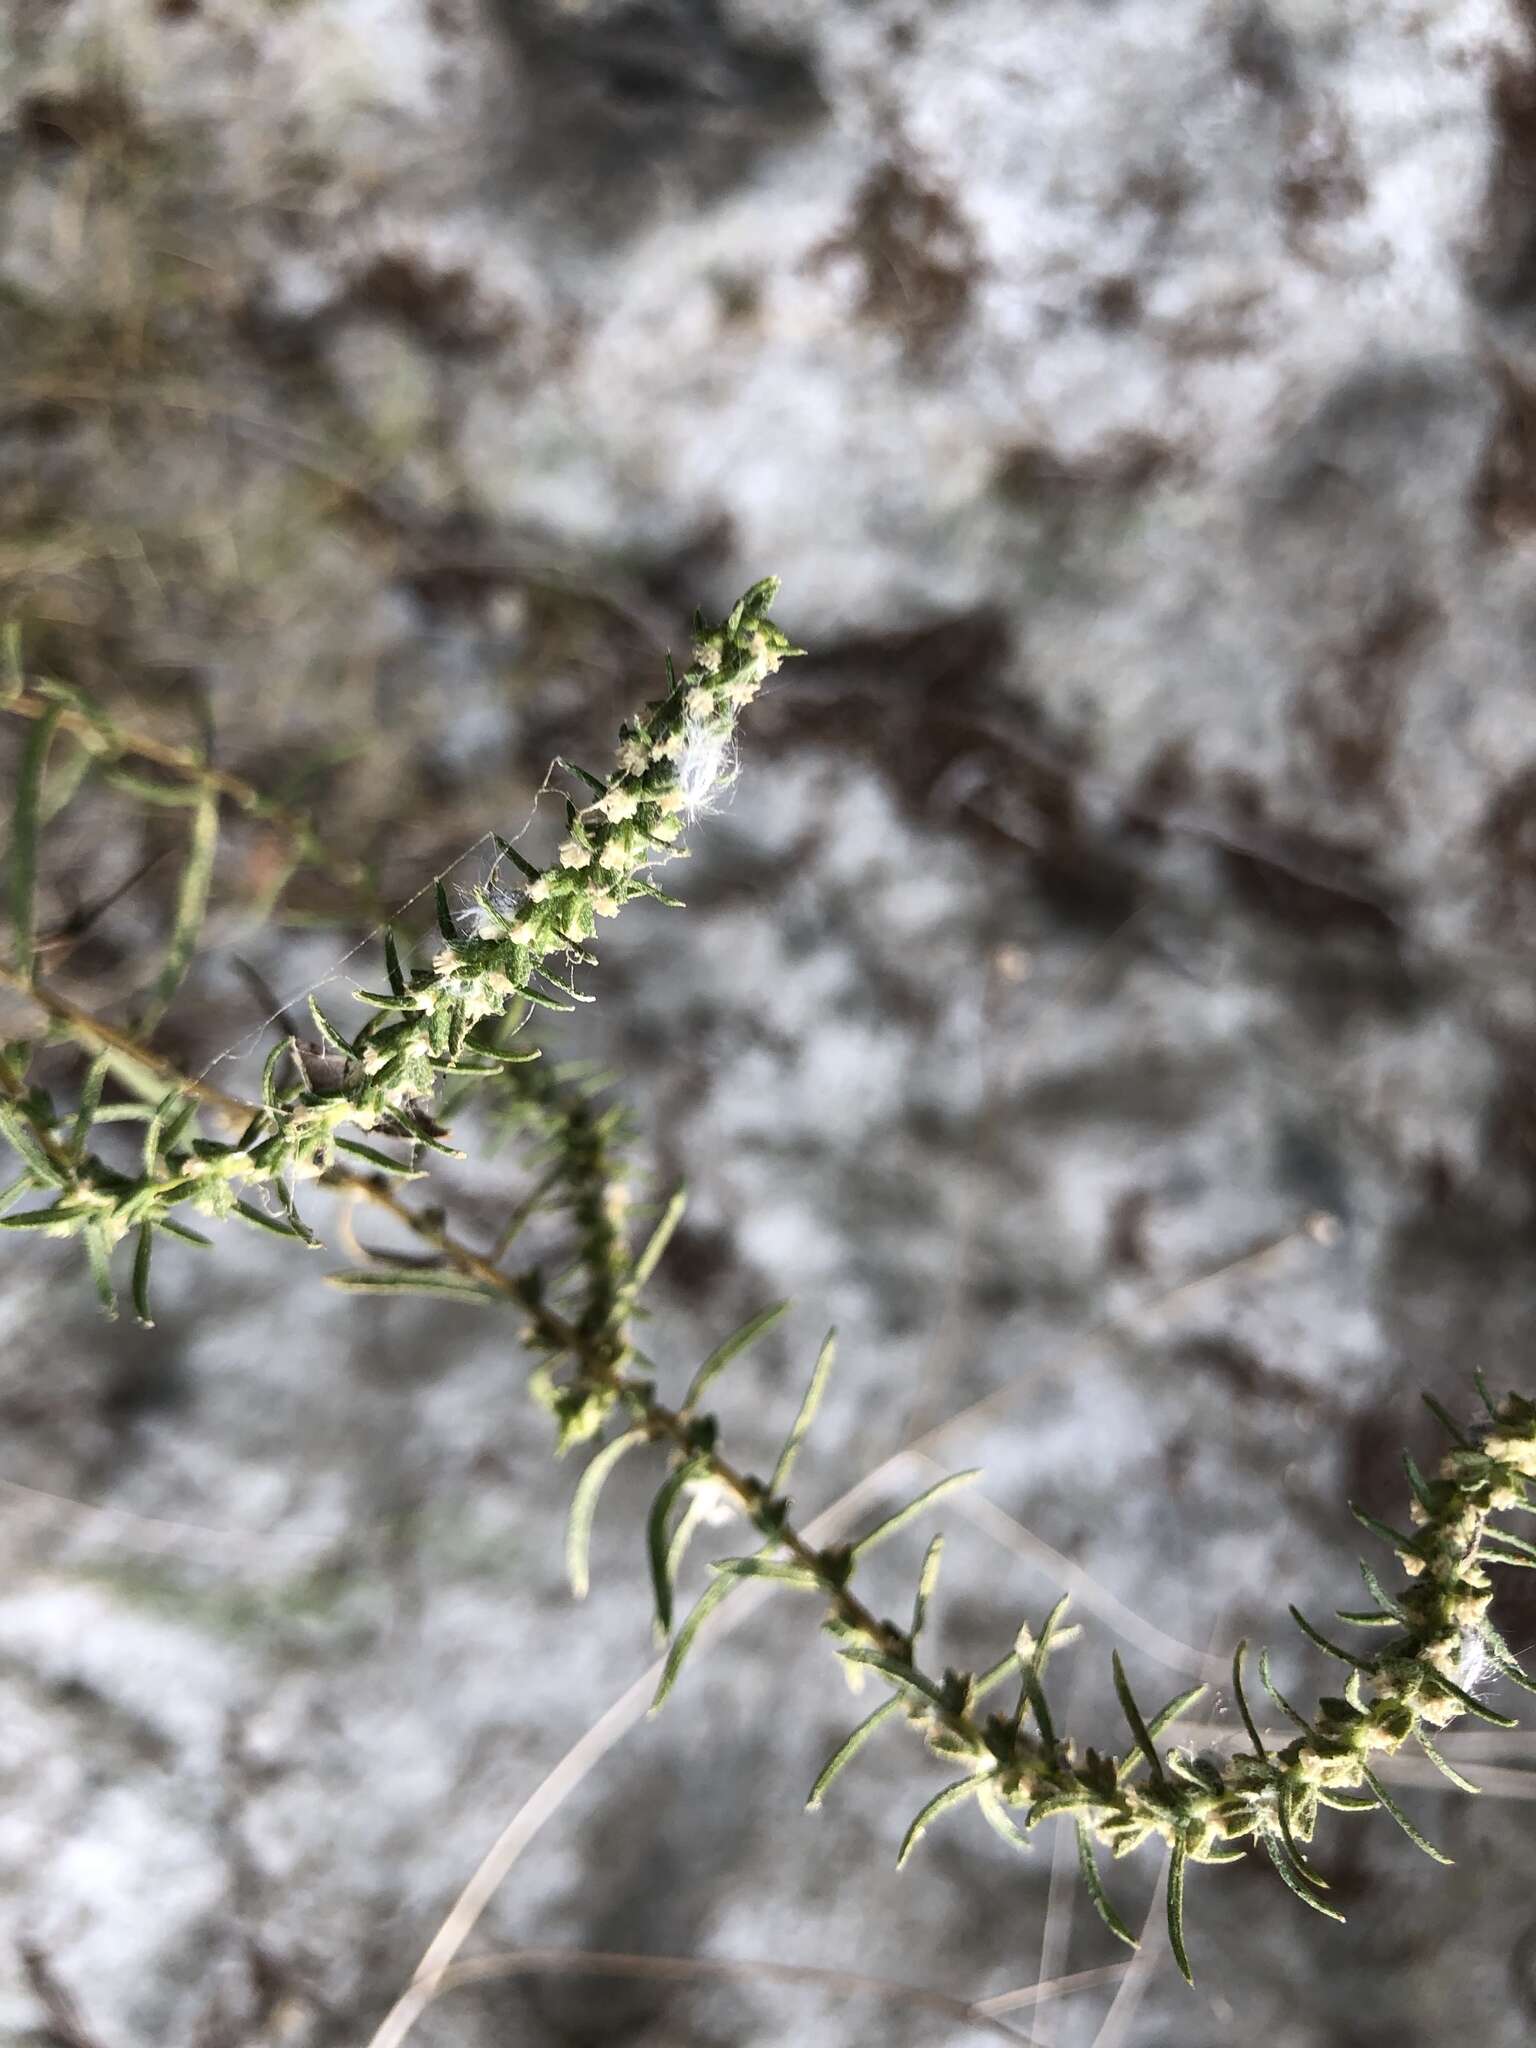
(437, 1022)
(367, 1114)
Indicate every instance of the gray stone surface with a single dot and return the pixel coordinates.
(1137, 401)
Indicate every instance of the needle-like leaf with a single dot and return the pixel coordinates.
(578, 1533)
(821, 1372)
(717, 1361)
(952, 1795)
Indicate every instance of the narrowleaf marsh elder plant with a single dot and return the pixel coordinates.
(366, 1113)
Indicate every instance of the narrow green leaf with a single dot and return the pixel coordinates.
(1001, 1821)
(1506, 1660)
(421, 1136)
(269, 1069)
(1294, 1883)
(1417, 1483)
(556, 981)
(394, 1280)
(187, 1236)
(1380, 1595)
(505, 1059)
(1283, 1807)
(90, 1104)
(445, 923)
(594, 782)
(300, 1228)
(930, 1496)
(657, 1534)
(191, 903)
(1395, 1537)
(1481, 1383)
(1138, 1726)
(768, 1568)
(658, 1241)
(25, 1142)
(1176, 1863)
(1511, 1541)
(687, 1527)
(640, 887)
(1447, 1422)
(1033, 1692)
(733, 1346)
(171, 796)
(1407, 1826)
(509, 852)
(1345, 1802)
(1194, 1770)
(1242, 1702)
(13, 676)
(543, 1002)
(1053, 1803)
(927, 1582)
(64, 780)
(25, 828)
(1322, 1642)
(392, 966)
(180, 1114)
(1035, 1652)
(578, 1532)
(99, 1255)
(849, 1748)
(155, 1133)
(1446, 1769)
(141, 1258)
(379, 1159)
(1358, 1617)
(908, 1681)
(941, 1802)
(1088, 1864)
(1490, 1555)
(40, 1219)
(1004, 1668)
(683, 1641)
(1281, 1701)
(821, 1372)
(1164, 1718)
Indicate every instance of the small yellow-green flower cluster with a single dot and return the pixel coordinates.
(1203, 1807)
(635, 820)
(1442, 1640)
(632, 822)
(385, 1080)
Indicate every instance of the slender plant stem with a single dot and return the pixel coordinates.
(599, 1357)
(107, 741)
(979, 2017)
(453, 1021)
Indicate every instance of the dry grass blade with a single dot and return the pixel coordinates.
(1011, 1535)
(150, 1534)
(1050, 1988)
(695, 1969)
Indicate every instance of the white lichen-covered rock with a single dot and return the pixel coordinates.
(1137, 401)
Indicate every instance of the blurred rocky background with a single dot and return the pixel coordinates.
(1138, 398)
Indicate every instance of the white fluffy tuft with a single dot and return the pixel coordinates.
(706, 767)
